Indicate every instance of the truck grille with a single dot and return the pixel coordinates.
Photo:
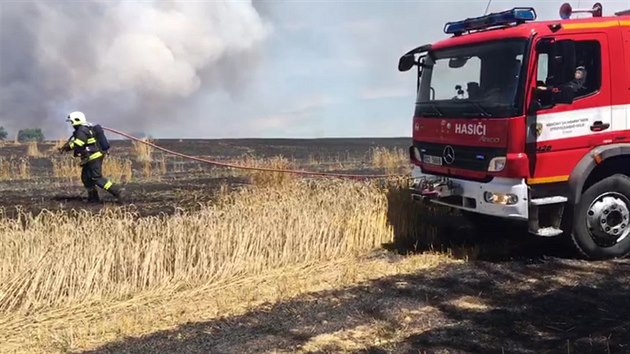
(473, 158)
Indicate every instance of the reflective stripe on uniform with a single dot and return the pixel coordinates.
(108, 185)
(91, 141)
(95, 156)
(79, 142)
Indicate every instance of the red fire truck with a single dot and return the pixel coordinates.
(525, 120)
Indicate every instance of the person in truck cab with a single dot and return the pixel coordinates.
(571, 88)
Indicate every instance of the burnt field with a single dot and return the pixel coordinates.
(157, 183)
(203, 259)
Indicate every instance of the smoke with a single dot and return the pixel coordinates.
(129, 65)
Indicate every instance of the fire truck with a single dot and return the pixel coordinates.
(528, 121)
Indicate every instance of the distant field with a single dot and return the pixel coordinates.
(39, 178)
(206, 259)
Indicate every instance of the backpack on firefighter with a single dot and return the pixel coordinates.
(101, 139)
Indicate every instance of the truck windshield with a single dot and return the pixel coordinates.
(480, 80)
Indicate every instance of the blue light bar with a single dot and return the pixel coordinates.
(516, 15)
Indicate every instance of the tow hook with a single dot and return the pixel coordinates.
(432, 188)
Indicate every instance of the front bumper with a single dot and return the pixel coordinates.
(469, 195)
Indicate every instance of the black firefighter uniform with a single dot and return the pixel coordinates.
(85, 145)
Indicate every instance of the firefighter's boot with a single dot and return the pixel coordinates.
(117, 192)
(93, 196)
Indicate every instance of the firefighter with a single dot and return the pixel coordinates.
(579, 80)
(572, 87)
(84, 142)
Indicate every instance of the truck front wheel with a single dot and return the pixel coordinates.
(601, 223)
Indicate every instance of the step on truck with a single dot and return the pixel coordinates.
(525, 120)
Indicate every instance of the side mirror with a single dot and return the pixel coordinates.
(563, 61)
(457, 62)
(406, 62)
(540, 100)
(544, 45)
(561, 71)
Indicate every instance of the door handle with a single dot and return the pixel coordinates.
(598, 126)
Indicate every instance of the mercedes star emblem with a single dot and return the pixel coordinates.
(448, 154)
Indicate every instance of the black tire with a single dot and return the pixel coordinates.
(581, 236)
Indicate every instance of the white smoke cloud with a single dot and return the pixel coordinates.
(125, 63)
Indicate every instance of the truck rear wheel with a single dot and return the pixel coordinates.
(601, 223)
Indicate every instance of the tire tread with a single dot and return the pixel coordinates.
(614, 180)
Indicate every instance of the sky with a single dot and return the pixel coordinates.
(212, 69)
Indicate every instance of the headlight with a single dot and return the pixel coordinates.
(416, 154)
(497, 164)
(500, 198)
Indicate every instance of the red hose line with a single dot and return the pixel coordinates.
(229, 165)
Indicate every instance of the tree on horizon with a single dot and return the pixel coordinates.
(34, 134)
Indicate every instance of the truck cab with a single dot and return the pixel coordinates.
(526, 120)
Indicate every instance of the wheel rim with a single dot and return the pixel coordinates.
(608, 219)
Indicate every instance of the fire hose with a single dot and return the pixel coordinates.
(241, 167)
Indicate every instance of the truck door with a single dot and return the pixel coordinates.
(559, 135)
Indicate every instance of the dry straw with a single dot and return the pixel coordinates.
(115, 168)
(32, 150)
(142, 151)
(393, 160)
(266, 178)
(13, 168)
(65, 168)
(57, 259)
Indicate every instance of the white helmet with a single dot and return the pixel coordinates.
(76, 118)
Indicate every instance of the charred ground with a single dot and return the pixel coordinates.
(162, 183)
(547, 306)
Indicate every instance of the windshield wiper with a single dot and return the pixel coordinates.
(483, 111)
(437, 112)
